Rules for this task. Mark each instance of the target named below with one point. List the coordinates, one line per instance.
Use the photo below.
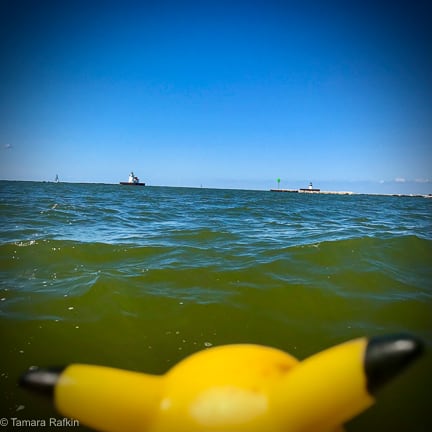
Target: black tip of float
(387, 356)
(41, 380)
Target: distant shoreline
(320, 192)
(303, 191)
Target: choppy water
(140, 277)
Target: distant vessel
(132, 181)
(310, 188)
(56, 180)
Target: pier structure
(311, 190)
(316, 191)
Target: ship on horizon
(132, 181)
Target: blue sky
(220, 94)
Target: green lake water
(140, 277)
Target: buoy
(229, 388)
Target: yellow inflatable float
(248, 388)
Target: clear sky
(218, 93)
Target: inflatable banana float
(230, 388)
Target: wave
(369, 268)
